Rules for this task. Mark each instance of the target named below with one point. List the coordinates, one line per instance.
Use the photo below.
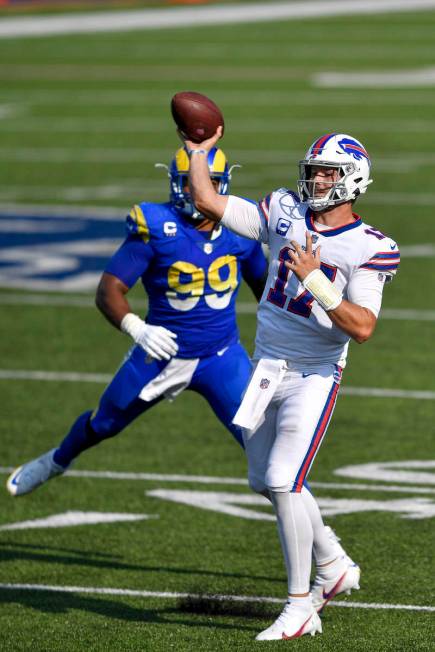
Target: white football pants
(280, 452)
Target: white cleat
(322, 591)
(29, 476)
(291, 623)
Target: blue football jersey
(191, 277)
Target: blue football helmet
(178, 173)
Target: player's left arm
(357, 321)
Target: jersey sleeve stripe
(386, 255)
(380, 266)
(138, 216)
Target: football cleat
(29, 476)
(321, 588)
(291, 623)
(322, 591)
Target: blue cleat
(29, 476)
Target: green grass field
(82, 121)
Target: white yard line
(111, 21)
(271, 161)
(77, 124)
(194, 596)
(211, 480)
(243, 308)
(13, 194)
(386, 79)
(78, 377)
(127, 97)
(63, 211)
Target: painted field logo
(57, 251)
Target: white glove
(157, 341)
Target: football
(195, 115)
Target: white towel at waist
(175, 377)
(261, 388)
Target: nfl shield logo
(264, 383)
(314, 238)
(208, 248)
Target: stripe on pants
(319, 433)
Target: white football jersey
(357, 258)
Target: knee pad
(277, 479)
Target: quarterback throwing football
(326, 276)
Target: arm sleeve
(254, 265)
(365, 289)
(243, 217)
(131, 260)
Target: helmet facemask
(338, 192)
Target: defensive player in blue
(191, 272)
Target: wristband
(325, 293)
(132, 325)
(197, 151)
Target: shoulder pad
(287, 191)
(251, 201)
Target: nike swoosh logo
(334, 590)
(298, 633)
(327, 596)
(306, 375)
(393, 247)
(17, 476)
(222, 351)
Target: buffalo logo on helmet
(354, 148)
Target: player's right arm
(111, 299)
(128, 264)
(237, 214)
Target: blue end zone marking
(56, 252)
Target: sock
(296, 536)
(323, 550)
(333, 570)
(302, 603)
(80, 437)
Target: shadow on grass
(197, 604)
(10, 552)
(62, 603)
